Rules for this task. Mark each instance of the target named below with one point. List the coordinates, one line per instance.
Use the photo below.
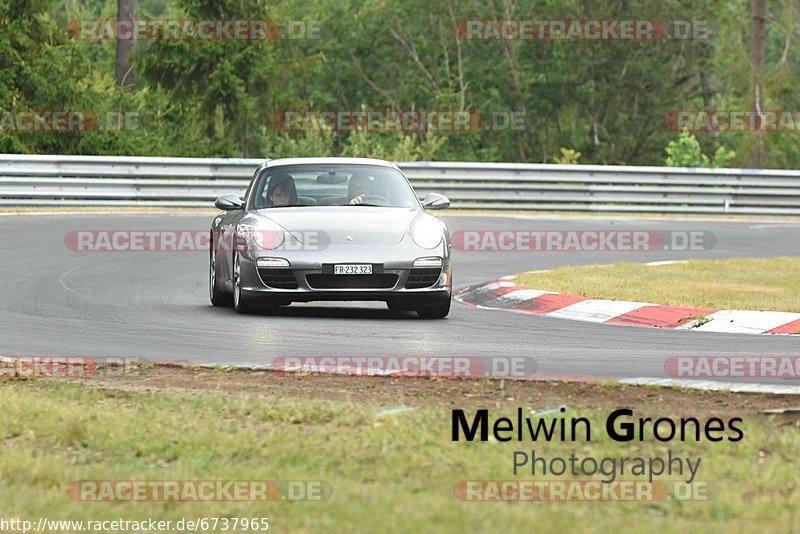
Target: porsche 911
(330, 229)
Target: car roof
(327, 161)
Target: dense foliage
(602, 102)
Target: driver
(282, 191)
(359, 187)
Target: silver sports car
(330, 229)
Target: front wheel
(217, 296)
(240, 302)
(438, 311)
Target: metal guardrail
(192, 182)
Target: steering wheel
(377, 199)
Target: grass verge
(738, 283)
(394, 473)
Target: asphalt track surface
(154, 305)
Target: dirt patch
(444, 393)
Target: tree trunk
(757, 74)
(707, 88)
(126, 77)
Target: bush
(686, 152)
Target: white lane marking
(743, 321)
(622, 218)
(666, 262)
(66, 287)
(596, 311)
(712, 385)
(776, 226)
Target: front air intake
(420, 278)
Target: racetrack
(154, 305)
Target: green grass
(394, 474)
(739, 283)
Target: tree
(757, 73)
(126, 76)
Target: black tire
(438, 311)
(241, 303)
(217, 295)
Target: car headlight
(250, 240)
(268, 239)
(427, 232)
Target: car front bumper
(306, 281)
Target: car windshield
(332, 185)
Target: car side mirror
(229, 202)
(435, 201)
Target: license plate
(353, 268)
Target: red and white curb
(505, 295)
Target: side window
(261, 199)
(250, 186)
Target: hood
(365, 225)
